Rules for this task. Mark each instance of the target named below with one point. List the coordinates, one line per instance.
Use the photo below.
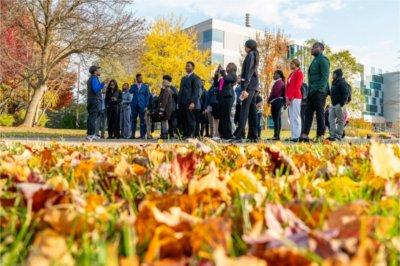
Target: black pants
(197, 114)
(276, 112)
(204, 125)
(315, 104)
(113, 120)
(225, 126)
(188, 121)
(93, 108)
(173, 124)
(303, 114)
(248, 111)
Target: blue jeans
(137, 111)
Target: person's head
(250, 45)
(294, 64)
(231, 68)
(317, 48)
(278, 74)
(139, 78)
(338, 73)
(189, 67)
(167, 79)
(112, 85)
(94, 70)
(125, 87)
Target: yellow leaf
(383, 160)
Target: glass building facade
(371, 84)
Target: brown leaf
(182, 168)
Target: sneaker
(89, 138)
(216, 138)
(294, 140)
(304, 139)
(237, 140)
(95, 137)
(332, 139)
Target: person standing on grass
(277, 101)
(250, 89)
(227, 97)
(94, 87)
(293, 99)
(318, 87)
(141, 95)
(189, 100)
(126, 112)
(173, 121)
(339, 95)
(165, 103)
(259, 105)
(238, 92)
(113, 100)
(102, 115)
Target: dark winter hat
(338, 72)
(92, 69)
(252, 44)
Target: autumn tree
(273, 47)
(168, 48)
(61, 29)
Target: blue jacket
(140, 97)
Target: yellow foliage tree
(167, 49)
(122, 72)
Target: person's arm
(249, 71)
(96, 85)
(147, 96)
(344, 92)
(231, 78)
(324, 68)
(195, 90)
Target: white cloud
(297, 13)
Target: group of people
(303, 100)
(232, 104)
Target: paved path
(120, 142)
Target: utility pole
(78, 94)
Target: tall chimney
(247, 20)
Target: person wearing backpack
(294, 99)
(339, 96)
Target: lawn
(40, 132)
(199, 204)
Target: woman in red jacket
(293, 98)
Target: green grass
(40, 132)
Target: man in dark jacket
(173, 121)
(189, 100)
(339, 95)
(140, 100)
(94, 87)
(318, 78)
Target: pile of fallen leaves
(200, 204)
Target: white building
(224, 39)
(391, 98)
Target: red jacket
(293, 87)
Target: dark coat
(339, 92)
(229, 81)
(250, 73)
(113, 103)
(189, 91)
(165, 104)
(318, 75)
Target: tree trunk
(34, 104)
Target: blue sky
(370, 29)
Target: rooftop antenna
(247, 20)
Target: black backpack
(349, 91)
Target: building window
(217, 59)
(372, 108)
(213, 35)
(374, 101)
